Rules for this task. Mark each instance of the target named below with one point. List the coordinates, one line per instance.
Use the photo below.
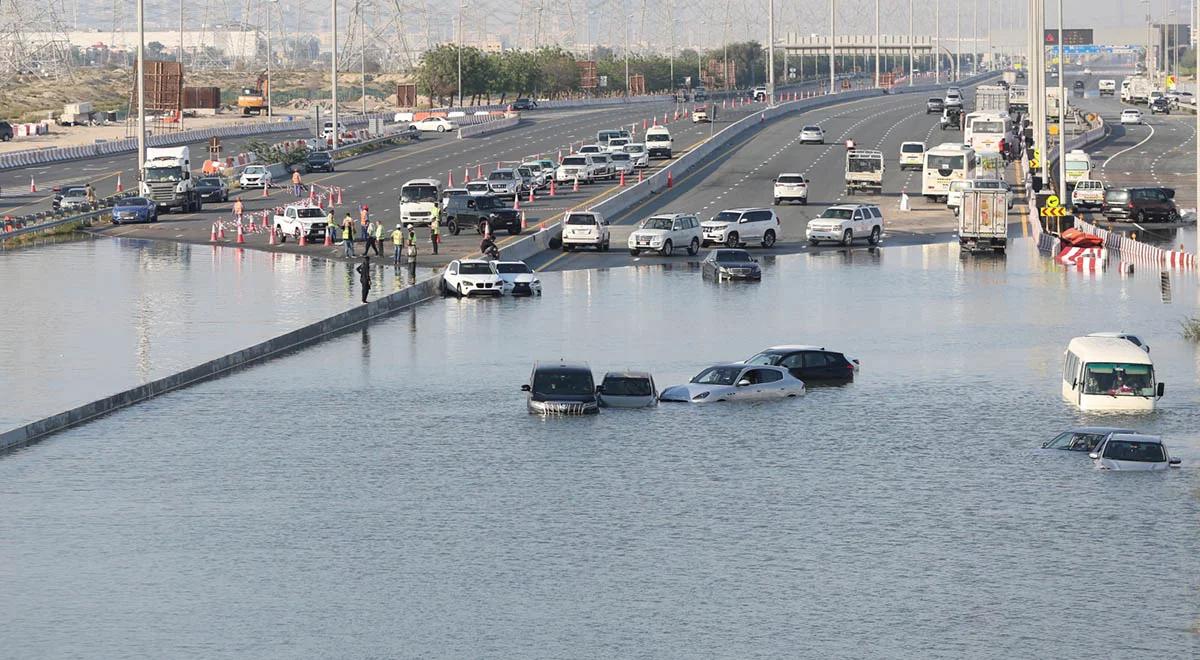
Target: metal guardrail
(43, 226)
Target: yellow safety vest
(345, 233)
(397, 237)
(379, 231)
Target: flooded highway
(385, 494)
(89, 318)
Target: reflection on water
(89, 318)
(382, 493)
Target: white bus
(1109, 373)
(984, 130)
(1078, 165)
(945, 163)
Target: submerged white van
(1109, 374)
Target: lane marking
(1130, 148)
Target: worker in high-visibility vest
(348, 234)
(435, 231)
(397, 245)
(379, 238)
(238, 209)
(297, 187)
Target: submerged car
(1133, 452)
(736, 382)
(517, 278)
(1083, 438)
(627, 389)
(808, 363)
(134, 209)
(561, 388)
(730, 264)
(467, 277)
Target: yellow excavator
(253, 100)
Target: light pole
(671, 9)
(771, 51)
(461, 5)
(832, 46)
(141, 88)
(628, 19)
(270, 56)
(1062, 112)
(975, 38)
(362, 56)
(937, 38)
(333, 65)
(958, 41)
(1195, 20)
(876, 44)
(912, 66)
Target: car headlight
(700, 396)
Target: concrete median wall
(479, 130)
(224, 365)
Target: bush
(1191, 328)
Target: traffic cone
(552, 187)
(32, 185)
(266, 225)
(328, 237)
(449, 179)
(240, 238)
(220, 230)
(479, 171)
(531, 199)
(120, 186)
(576, 187)
(212, 235)
(643, 124)
(271, 240)
(303, 238)
(523, 225)
(466, 175)
(670, 178)
(622, 178)
(516, 202)
(266, 190)
(339, 192)
(312, 191)
(639, 176)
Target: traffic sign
(1069, 37)
(1052, 209)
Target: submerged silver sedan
(736, 382)
(1133, 452)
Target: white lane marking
(1130, 148)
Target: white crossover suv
(585, 229)
(846, 222)
(666, 232)
(792, 187)
(467, 277)
(738, 227)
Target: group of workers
(371, 234)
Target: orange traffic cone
(220, 230)
(271, 240)
(523, 225)
(552, 188)
(466, 175)
(303, 237)
(479, 171)
(339, 195)
(120, 186)
(531, 195)
(516, 202)
(449, 179)
(266, 225)
(575, 188)
(266, 190)
(328, 237)
(670, 178)
(212, 235)
(240, 238)
(32, 185)
(639, 176)
(622, 178)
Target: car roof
(628, 374)
(453, 190)
(671, 215)
(422, 182)
(795, 347)
(561, 365)
(1098, 429)
(744, 210)
(790, 174)
(1138, 437)
(743, 365)
(501, 169)
(1108, 349)
(853, 207)
(510, 261)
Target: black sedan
(212, 189)
(730, 264)
(524, 104)
(319, 161)
(134, 209)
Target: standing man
(331, 225)
(397, 245)
(348, 234)
(435, 233)
(370, 239)
(412, 244)
(296, 185)
(378, 242)
(238, 209)
(364, 277)
(91, 194)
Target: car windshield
(1078, 166)
(474, 268)
(987, 126)
(733, 256)
(210, 181)
(865, 164)
(483, 202)
(589, 149)
(1118, 379)
(727, 216)
(255, 169)
(766, 358)
(533, 167)
(657, 223)
(634, 148)
(75, 192)
(581, 219)
(658, 137)
(476, 187)
(1131, 113)
(912, 148)
(934, 162)
(418, 194)
(318, 157)
(624, 386)
(811, 129)
(310, 212)
(513, 267)
(134, 201)
(574, 160)
(1139, 452)
(501, 175)
(718, 376)
(525, 171)
(838, 214)
(562, 383)
(169, 173)
(1076, 441)
(619, 157)
(618, 142)
(934, 101)
(790, 178)
(1116, 196)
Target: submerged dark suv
(469, 212)
(562, 388)
(809, 363)
(1140, 205)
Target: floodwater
(90, 318)
(385, 494)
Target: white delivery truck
(983, 220)
(1138, 91)
(864, 171)
(77, 114)
(991, 98)
(1054, 103)
(167, 179)
(1108, 87)
(1078, 166)
(658, 142)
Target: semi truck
(167, 179)
(983, 220)
(1018, 99)
(991, 98)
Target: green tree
(437, 73)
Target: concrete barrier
(224, 365)
(487, 128)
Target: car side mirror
(1175, 462)
(743, 382)
(1146, 347)
(525, 388)
(1162, 388)
(1075, 383)
(1093, 455)
(743, 221)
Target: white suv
(792, 187)
(737, 227)
(464, 277)
(663, 233)
(577, 166)
(846, 222)
(585, 228)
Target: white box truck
(991, 98)
(983, 220)
(167, 179)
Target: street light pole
(362, 56)
(460, 50)
(1062, 113)
(771, 51)
(270, 106)
(141, 89)
(912, 67)
(958, 42)
(333, 65)
(832, 46)
(975, 38)
(876, 44)
(627, 86)
(937, 39)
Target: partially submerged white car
(1133, 452)
(517, 278)
(736, 382)
(467, 277)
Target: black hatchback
(809, 363)
(1140, 205)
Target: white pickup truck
(864, 171)
(1088, 193)
(300, 219)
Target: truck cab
(167, 179)
(864, 171)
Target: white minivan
(585, 228)
(1111, 374)
(658, 142)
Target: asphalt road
(742, 177)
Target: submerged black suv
(469, 211)
(1140, 205)
(809, 363)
